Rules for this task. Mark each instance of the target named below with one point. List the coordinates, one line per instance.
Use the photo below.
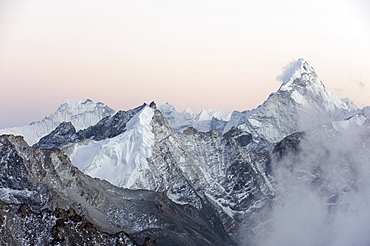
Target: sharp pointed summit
(301, 102)
(296, 71)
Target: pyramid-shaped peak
(297, 69)
(188, 111)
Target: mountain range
(81, 114)
(293, 171)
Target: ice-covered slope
(81, 114)
(120, 159)
(204, 121)
(301, 102)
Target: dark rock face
(107, 127)
(110, 126)
(289, 145)
(190, 130)
(64, 134)
(22, 226)
(45, 179)
(14, 177)
(73, 229)
(217, 170)
(242, 137)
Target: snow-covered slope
(121, 159)
(301, 102)
(81, 114)
(204, 121)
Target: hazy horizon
(224, 55)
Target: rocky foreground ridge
(43, 181)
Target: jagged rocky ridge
(45, 179)
(22, 226)
(246, 176)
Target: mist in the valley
(322, 190)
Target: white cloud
(323, 193)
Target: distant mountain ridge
(108, 127)
(81, 114)
(204, 121)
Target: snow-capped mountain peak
(204, 121)
(75, 107)
(81, 114)
(208, 114)
(188, 111)
(297, 71)
(301, 102)
(167, 108)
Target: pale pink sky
(197, 54)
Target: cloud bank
(323, 190)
